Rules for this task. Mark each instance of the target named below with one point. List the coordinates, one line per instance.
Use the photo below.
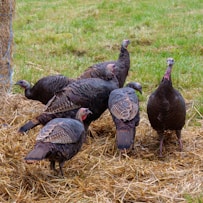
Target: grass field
(57, 37)
(66, 37)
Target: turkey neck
(124, 65)
(123, 53)
(124, 58)
(167, 75)
(115, 80)
(28, 92)
(166, 86)
(79, 117)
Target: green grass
(194, 200)
(68, 36)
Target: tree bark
(6, 40)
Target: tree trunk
(6, 41)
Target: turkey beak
(89, 112)
(138, 87)
(19, 83)
(128, 42)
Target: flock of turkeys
(72, 104)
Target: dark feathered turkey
(166, 107)
(122, 64)
(44, 89)
(92, 93)
(59, 140)
(124, 107)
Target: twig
(198, 112)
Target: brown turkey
(59, 140)
(92, 93)
(123, 105)
(104, 73)
(166, 108)
(44, 89)
(122, 64)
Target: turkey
(59, 140)
(92, 93)
(44, 89)
(123, 64)
(166, 108)
(99, 72)
(123, 105)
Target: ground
(98, 173)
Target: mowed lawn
(66, 37)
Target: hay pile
(98, 173)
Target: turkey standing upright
(122, 64)
(59, 140)
(92, 93)
(166, 107)
(124, 107)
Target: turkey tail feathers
(38, 153)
